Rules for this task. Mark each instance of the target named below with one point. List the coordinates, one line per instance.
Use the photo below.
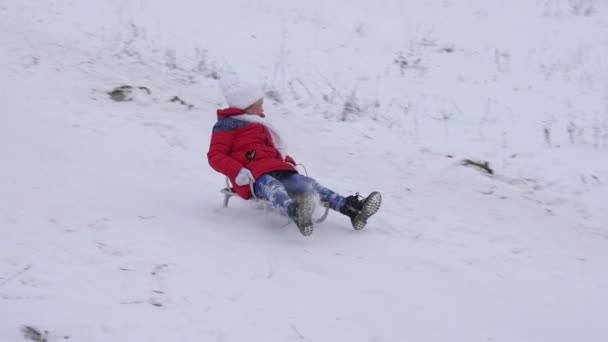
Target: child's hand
(243, 177)
(289, 160)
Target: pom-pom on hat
(239, 94)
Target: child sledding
(248, 150)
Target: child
(246, 148)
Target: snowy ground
(111, 225)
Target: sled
(229, 192)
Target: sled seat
(229, 192)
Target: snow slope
(111, 221)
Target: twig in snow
(124, 92)
(182, 102)
(25, 269)
(298, 333)
(158, 268)
(154, 302)
(485, 166)
(34, 334)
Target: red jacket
(237, 143)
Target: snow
(111, 220)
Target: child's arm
(219, 154)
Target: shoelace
(361, 200)
(358, 203)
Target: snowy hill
(111, 221)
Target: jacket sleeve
(219, 154)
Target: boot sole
(306, 208)
(371, 206)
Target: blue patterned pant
(278, 186)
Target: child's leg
(298, 184)
(268, 187)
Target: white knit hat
(239, 94)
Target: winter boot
(300, 211)
(360, 209)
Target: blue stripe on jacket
(229, 124)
